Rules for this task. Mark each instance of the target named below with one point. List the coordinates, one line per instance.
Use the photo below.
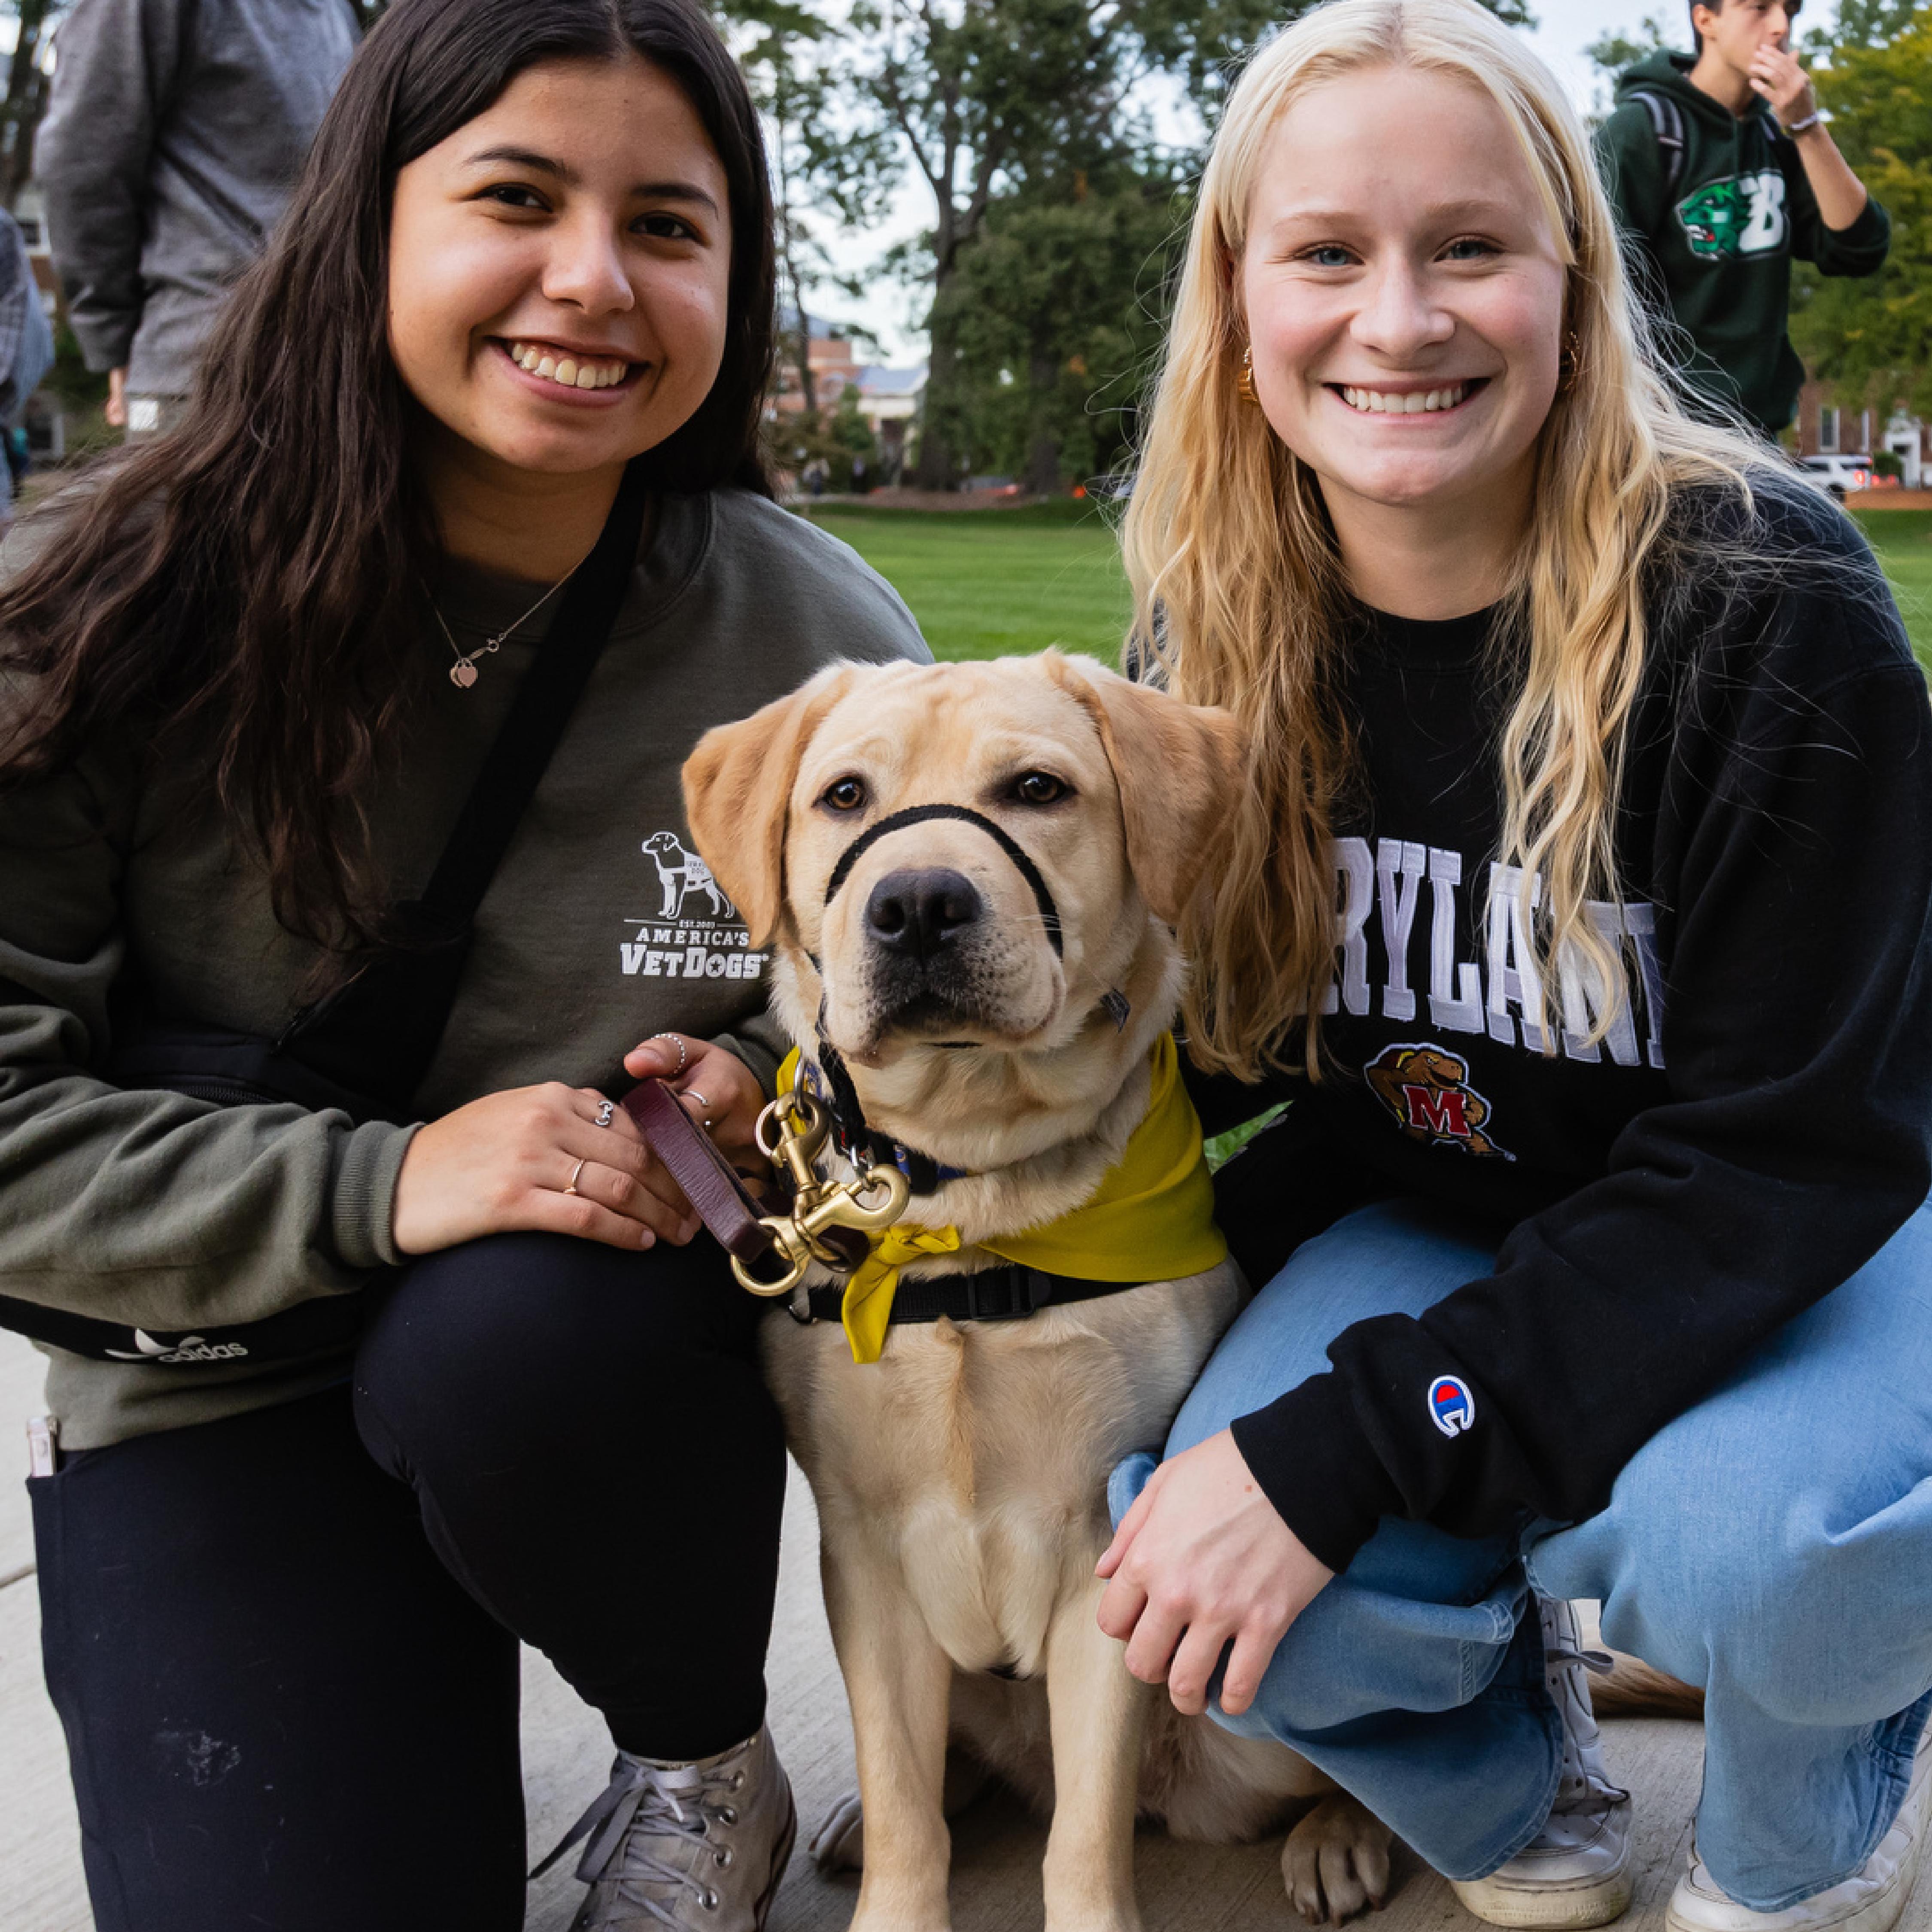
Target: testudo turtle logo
(1427, 1089)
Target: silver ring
(605, 1109)
(692, 1093)
(683, 1058)
(572, 1188)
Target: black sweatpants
(288, 1679)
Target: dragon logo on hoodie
(1743, 214)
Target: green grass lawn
(985, 583)
(1903, 539)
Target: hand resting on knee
(1203, 1558)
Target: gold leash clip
(789, 1132)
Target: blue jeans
(1773, 1544)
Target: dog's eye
(1038, 788)
(847, 795)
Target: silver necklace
(462, 672)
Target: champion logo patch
(1451, 1407)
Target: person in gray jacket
(175, 131)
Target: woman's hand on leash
(1203, 1559)
(552, 1159)
(718, 1090)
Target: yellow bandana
(1151, 1218)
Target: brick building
(1826, 427)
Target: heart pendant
(463, 674)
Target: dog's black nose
(918, 912)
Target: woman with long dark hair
(332, 919)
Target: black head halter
(856, 1140)
(918, 814)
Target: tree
(853, 447)
(1056, 308)
(1612, 52)
(1873, 337)
(822, 164)
(987, 91)
(1015, 98)
(1054, 207)
(998, 98)
(840, 438)
(1864, 23)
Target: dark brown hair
(250, 587)
(1717, 7)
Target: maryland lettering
(1408, 889)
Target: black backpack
(1666, 122)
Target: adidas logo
(189, 1348)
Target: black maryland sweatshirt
(1757, 1121)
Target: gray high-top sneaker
(1576, 1871)
(697, 1848)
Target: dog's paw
(839, 1845)
(1336, 1863)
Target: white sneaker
(1870, 1900)
(1576, 1872)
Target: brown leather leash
(771, 1243)
(741, 1221)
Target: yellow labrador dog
(968, 875)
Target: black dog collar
(862, 1145)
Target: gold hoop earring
(1244, 383)
(1569, 363)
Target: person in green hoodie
(1722, 170)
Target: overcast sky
(1564, 28)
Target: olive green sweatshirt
(602, 927)
(1717, 245)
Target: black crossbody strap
(548, 695)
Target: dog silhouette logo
(1427, 1089)
(1451, 1407)
(681, 873)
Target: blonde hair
(1240, 597)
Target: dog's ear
(737, 788)
(1179, 768)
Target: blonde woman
(1580, 905)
